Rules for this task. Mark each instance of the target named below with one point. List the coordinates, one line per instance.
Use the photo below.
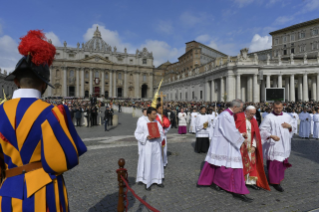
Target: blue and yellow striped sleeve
(60, 144)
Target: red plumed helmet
(35, 44)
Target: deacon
(140, 119)
(223, 169)
(166, 125)
(295, 117)
(182, 122)
(202, 126)
(38, 140)
(193, 118)
(304, 128)
(251, 149)
(316, 125)
(150, 168)
(276, 132)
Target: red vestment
(255, 166)
(165, 124)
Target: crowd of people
(236, 137)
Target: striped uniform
(32, 130)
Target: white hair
(250, 107)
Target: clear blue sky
(161, 26)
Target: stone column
(268, 81)
(230, 87)
(212, 90)
(137, 85)
(305, 87)
(64, 87)
(256, 89)
(110, 83)
(317, 85)
(243, 88)
(292, 88)
(262, 92)
(114, 83)
(249, 88)
(77, 82)
(279, 81)
(222, 88)
(207, 91)
(238, 87)
(103, 83)
(51, 82)
(287, 88)
(300, 88)
(313, 88)
(125, 84)
(82, 83)
(150, 76)
(91, 82)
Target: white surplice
(192, 125)
(199, 124)
(224, 149)
(182, 119)
(295, 117)
(311, 124)
(150, 161)
(142, 118)
(316, 125)
(211, 118)
(271, 125)
(304, 128)
(165, 131)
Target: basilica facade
(96, 69)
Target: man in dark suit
(78, 116)
(107, 116)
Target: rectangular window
(312, 46)
(304, 48)
(107, 58)
(144, 61)
(285, 52)
(131, 60)
(97, 74)
(293, 50)
(301, 35)
(119, 59)
(106, 76)
(315, 32)
(71, 55)
(86, 56)
(144, 78)
(284, 39)
(276, 41)
(292, 37)
(120, 76)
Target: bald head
(250, 112)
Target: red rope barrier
(137, 197)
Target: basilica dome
(97, 43)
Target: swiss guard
(38, 140)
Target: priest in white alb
(316, 125)
(150, 168)
(194, 114)
(276, 132)
(223, 169)
(295, 117)
(304, 128)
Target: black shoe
(160, 185)
(242, 197)
(216, 187)
(254, 187)
(147, 189)
(278, 187)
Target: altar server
(202, 126)
(276, 132)
(182, 122)
(223, 169)
(304, 128)
(150, 168)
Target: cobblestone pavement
(92, 186)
